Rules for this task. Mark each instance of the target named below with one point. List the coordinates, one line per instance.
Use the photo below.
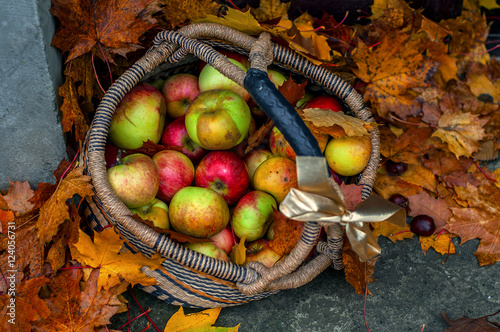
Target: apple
(348, 156)
(176, 135)
(270, 232)
(198, 212)
(225, 239)
(254, 158)
(301, 102)
(231, 55)
(211, 79)
(155, 211)
(208, 249)
(218, 119)
(225, 173)
(326, 102)
(179, 91)
(280, 146)
(253, 214)
(139, 117)
(113, 155)
(276, 77)
(175, 171)
(260, 251)
(276, 176)
(135, 181)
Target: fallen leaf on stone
(198, 321)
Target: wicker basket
(191, 279)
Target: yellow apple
(348, 156)
(276, 176)
(155, 211)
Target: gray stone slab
(411, 290)
(31, 141)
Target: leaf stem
(365, 295)
(107, 63)
(95, 73)
(130, 321)
(481, 170)
(346, 13)
(140, 307)
(411, 123)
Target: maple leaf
(441, 243)
(466, 324)
(239, 252)
(72, 115)
(287, 233)
(259, 135)
(18, 196)
(386, 185)
(461, 131)
(482, 86)
(437, 208)
(78, 308)
(480, 219)
(179, 12)
(324, 119)
(357, 273)
(104, 253)
(420, 175)
(198, 321)
(102, 27)
(55, 210)
(270, 9)
(28, 306)
(352, 195)
(292, 91)
(391, 231)
(408, 148)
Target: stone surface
(31, 140)
(411, 290)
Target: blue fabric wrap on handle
(279, 110)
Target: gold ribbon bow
(316, 200)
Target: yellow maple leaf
(55, 210)
(441, 243)
(391, 231)
(198, 321)
(270, 9)
(326, 118)
(461, 131)
(481, 85)
(238, 252)
(420, 175)
(237, 19)
(104, 253)
(477, 4)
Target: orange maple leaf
(196, 321)
(103, 27)
(480, 219)
(18, 197)
(287, 233)
(435, 207)
(357, 273)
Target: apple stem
(140, 307)
(481, 170)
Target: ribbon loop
(317, 201)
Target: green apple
(198, 212)
(135, 181)
(348, 156)
(211, 79)
(218, 119)
(253, 214)
(276, 176)
(139, 117)
(155, 211)
(276, 77)
(208, 249)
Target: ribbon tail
(362, 241)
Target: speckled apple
(276, 176)
(348, 156)
(253, 214)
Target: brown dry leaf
(72, 115)
(287, 233)
(102, 27)
(150, 148)
(5, 218)
(28, 307)
(78, 305)
(357, 273)
(462, 132)
(198, 321)
(292, 91)
(391, 231)
(480, 85)
(178, 237)
(420, 175)
(352, 195)
(441, 243)
(270, 9)
(452, 170)
(18, 196)
(323, 119)
(408, 147)
(466, 324)
(259, 135)
(437, 208)
(179, 12)
(481, 219)
(386, 185)
(55, 210)
(239, 252)
(104, 253)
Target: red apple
(301, 102)
(225, 239)
(139, 117)
(198, 212)
(175, 171)
(155, 211)
(211, 79)
(135, 181)
(225, 173)
(260, 251)
(253, 214)
(276, 176)
(280, 146)
(218, 119)
(254, 158)
(326, 102)
(113, 155)
(348, 156)
(179, 91)
(176, 135)
(208, 249)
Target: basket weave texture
(191, 279)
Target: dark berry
(336, 177)
(422, 225)
(400, 200)
(394, 169)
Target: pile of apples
(203, 185)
